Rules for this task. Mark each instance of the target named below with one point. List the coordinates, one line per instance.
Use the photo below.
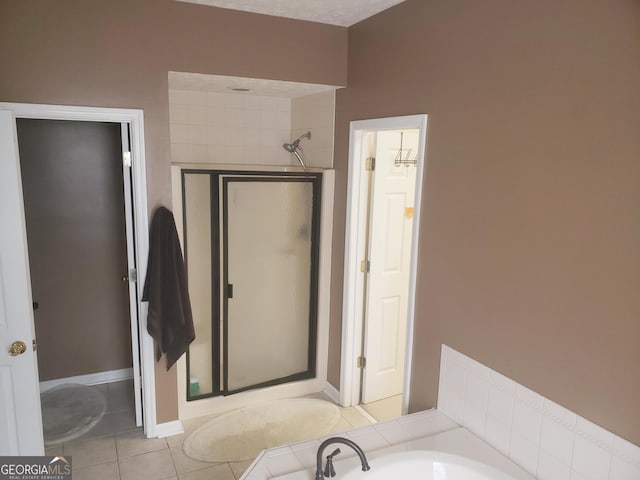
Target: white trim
(331, 392)
(168, 429)
(19, 400)
(90, 378)
(135, 119)
(352, 291)
(131, 265)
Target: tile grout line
(173, 462)
(365, 414)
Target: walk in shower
(251, 247)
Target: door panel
(388, 346)
(72, 178)
(268, 243)
(388, 280)
(198, 257)
(127, 177)
(20, 418)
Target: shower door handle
(229, 290)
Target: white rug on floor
(242, 434)
(69, 411)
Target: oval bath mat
(242, 434)
(69, 411)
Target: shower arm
(295, 152)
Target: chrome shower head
(291, 147)
(294, 146)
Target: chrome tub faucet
(329, 470)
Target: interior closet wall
(74, 211)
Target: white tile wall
(234, 128)
(315, 114)
(546, 439)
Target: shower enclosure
(251, 243)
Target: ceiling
(343, 13)
(256, 86)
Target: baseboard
(90, 379)
(331, 392)
(169, 428)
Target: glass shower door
(251, 243)
(269, 320)
(199, 254)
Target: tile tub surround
(459, 442)
(547, 440)
(301, 457)
(416, 432)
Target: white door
(20, 415)
(131, 264)
(392, 202)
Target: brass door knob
(17, 348)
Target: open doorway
(385, 171)
(25, 386)
(82, 266)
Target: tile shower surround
(210, 127)
(231, 128)
(547, 440)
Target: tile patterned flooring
(385, 409)
(116, 450)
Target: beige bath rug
(242, 434)
(69, 411)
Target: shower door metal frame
(219, 180)
(215, 285)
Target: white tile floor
(385, 409)
(116, 450)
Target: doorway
(385, 170)
(30, 440)
(77, 221)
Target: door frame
(135, 119)
(353, 290)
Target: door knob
(17, 348)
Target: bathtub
(456, 454)
(426, 465)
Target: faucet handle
(333, 454)
(329, 471)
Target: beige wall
(117, 53)
(530, 241)
(529, 250)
